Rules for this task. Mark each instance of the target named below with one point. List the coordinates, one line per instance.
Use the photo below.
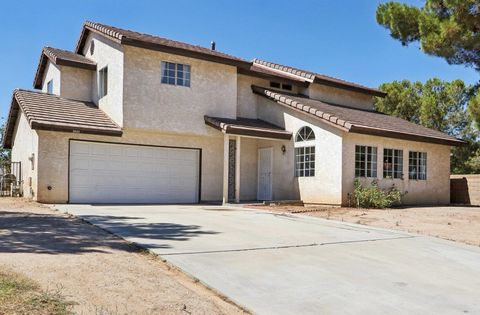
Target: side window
(365, 161)
(392, 163)
(305, 153)
(50, 87)
(103, 82)
(175, 74)
(417, 165)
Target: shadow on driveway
(22, 232)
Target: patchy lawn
(461, 224)
(98, 272)
(19, 295)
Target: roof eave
(75, 129)
(405, 136)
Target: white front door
(265, 163)
(119, 173)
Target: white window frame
(369, 163)
(103, 82)
(305, 154)
(416, 169)
(396, 170)
(182, 74)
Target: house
(134, 118)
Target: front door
(265, 162)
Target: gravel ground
(100, 272)
(461, 224)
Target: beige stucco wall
(25, 143)
(434, 190)
(76, 83)
(52, 72)
(151, 105)
(108, 53)
(326, 186)
(339, 96)
(53, 160)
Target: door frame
(199, 197)
(270, 149)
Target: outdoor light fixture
(284, 149)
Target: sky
(339, 38)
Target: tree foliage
(4, 153)
(439, 105)
(444, 28)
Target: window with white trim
(417, 165)
(50, 87)
(175, 74)
(392, 163)
(365, 161)
(103, 82)
(305, 153)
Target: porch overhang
(248, 127)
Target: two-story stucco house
(134, 118)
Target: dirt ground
(101, 273)
(461, 224)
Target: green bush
(373, 197)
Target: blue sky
(339, 38)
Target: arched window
(305, 152)
(305, 134)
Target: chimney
(212, 45)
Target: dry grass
(20, 295)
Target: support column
(225, 168)
(237, 170)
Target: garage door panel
(116, 173)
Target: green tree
(4, 153)
(445, 28)
(438, 105)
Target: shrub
(373, 197)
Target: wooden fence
(465, 189)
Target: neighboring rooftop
(359, 121)
(248, 127)
(51, 112)
(60, 57)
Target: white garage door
(115, 173)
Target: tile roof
(132, 38)
(359, 121)
(269, 74)
(51, 112)
(247, 127)
(60, 57)
(316, 77)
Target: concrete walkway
(292, 264)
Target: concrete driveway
(291, 264)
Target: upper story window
(392, 163)
(50, 87)
(283, 86)
(175, 74)
(365, 161)
(305, 152)
(417, 165)
(103, 82)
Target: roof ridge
(311, 74)
(51, 95)
(117, 31)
